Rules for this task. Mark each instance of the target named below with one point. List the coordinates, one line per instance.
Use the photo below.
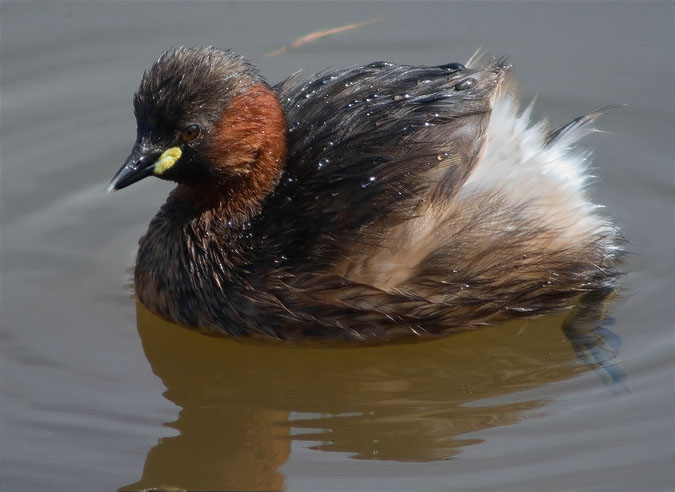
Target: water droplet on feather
(368, 182)
(323, 162)
(465, 84)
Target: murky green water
(99, 394)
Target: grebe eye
(189, 133)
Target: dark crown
(186, 84)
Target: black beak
(140, 164)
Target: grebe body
(363, 204)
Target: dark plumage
(191, 85)
(358, 204)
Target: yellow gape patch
(167, 160)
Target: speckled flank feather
(413, 201)
(372, 142)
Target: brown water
(99, 394)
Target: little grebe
(366, 204)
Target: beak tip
(139, 165)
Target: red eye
(189, 133)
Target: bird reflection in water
(243, 405)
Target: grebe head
(205, 119)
